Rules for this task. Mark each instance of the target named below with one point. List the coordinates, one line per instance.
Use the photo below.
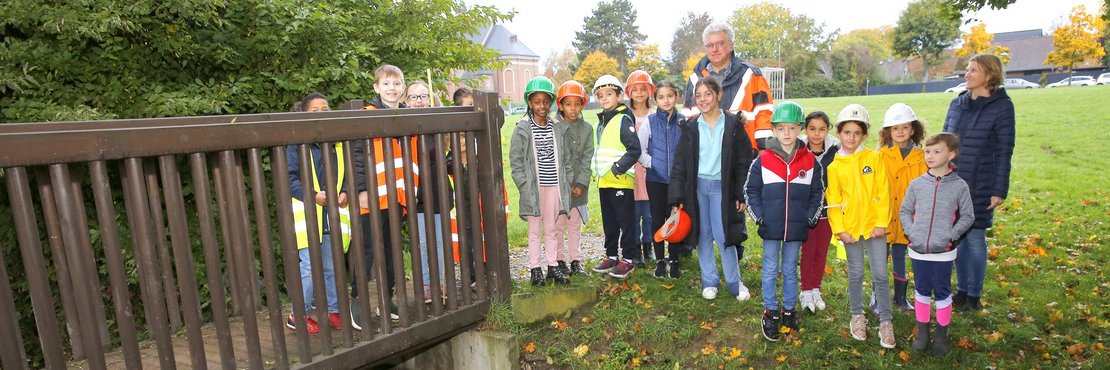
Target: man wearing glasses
(744, 91)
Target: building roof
(1018, 35)
(1028, 54)
(501, 39)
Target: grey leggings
(876, 255)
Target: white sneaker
(817, 301)
(709, 293)
(743, 295)
(807, 300)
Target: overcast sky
(550, 25)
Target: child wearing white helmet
(858, 195)
(616, 153)
(900, 145)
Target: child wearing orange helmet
(639, 88)
(579, 146)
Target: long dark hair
(712, 84)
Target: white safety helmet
(853, 112)
(898, 114)
(608, 81)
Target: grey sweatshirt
(937, 211)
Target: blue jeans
(971, 262)
(643, 216)
(329, 275)
(789, 252)
(712, 228)
(424, 247)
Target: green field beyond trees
(1045, 293)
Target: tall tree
(687, 40)
(1077, 41)
(560, 64)
(647, 58)
(924, 32)
(96, 60)
(978, 41)
(954, 9)
(770, 35)
(595, 65)
(611, 29)
(855, 56)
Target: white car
(1073, 81)
(1017, 83)
(957, 89)
(1103, 79)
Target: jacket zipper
(932, 216)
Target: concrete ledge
(470, 350)
(529, 308)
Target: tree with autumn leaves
(978, 41)
(597, 64)
(1078, 40)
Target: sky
(545, 26)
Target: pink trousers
(573, 230)
(548, 224)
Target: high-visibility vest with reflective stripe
(608, 151)
(753, 101)
(399, 167)
(455, 224)
(299, 215)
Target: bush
(820, 87)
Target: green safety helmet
(540, 84)
(788, 112)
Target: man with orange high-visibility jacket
(744, 90)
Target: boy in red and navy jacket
(784, 194)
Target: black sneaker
(394, 313)
(576, 268)
(790, 319)
(537, 276)
(771, 325)
(605, 265)
(555, 273)
(661, 269)
(639, 262)
(622, 270)
(563, 266)
(675, 273)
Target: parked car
(1074, 81)
(1103, 79)
(515, 110)
(1017, 83)
(958, 88)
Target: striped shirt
(543, 139)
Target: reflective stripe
(741, 93)
(763, 134)
(300, 224)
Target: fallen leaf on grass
(734, 353)
(781, 357)
(1054, 316)
(667, 287)
(530, 347)
(904, 356)
(635, 287)
(709, 349)
(1076, 351)
(588, 320)
(993, 337)
(581, 350)
(635, 363)
(965, 344)
(828, 270)
(708, 325)
(996, 356)
(559, 324)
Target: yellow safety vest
(299, 212)
(609, 150)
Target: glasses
(419, 97)
(716, 45)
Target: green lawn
(1045, 304)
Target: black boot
(576, 268)
(959, 300)
(972, 305)
(563, 266)
(900, 296)
(556, 274)
(661, 269)
(537, 276)
(647, 251)
(921, 341)
(790, 319)
(940, 342)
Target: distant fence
(939, 86)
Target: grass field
(1045, 295)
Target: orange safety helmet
(639, 77)
(675, 229)
(570, 88)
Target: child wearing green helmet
(784, 193)
(535, 152)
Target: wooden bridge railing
(164, 243)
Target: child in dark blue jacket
(661, 134)
(784, 193)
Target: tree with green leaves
(954, 9)
(146, 58)
(611, 29)
(648, 59)
(770, 35)
(687, 40)
(855, 56)
(924, 32)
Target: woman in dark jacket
(983, 118)
(707, 181)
